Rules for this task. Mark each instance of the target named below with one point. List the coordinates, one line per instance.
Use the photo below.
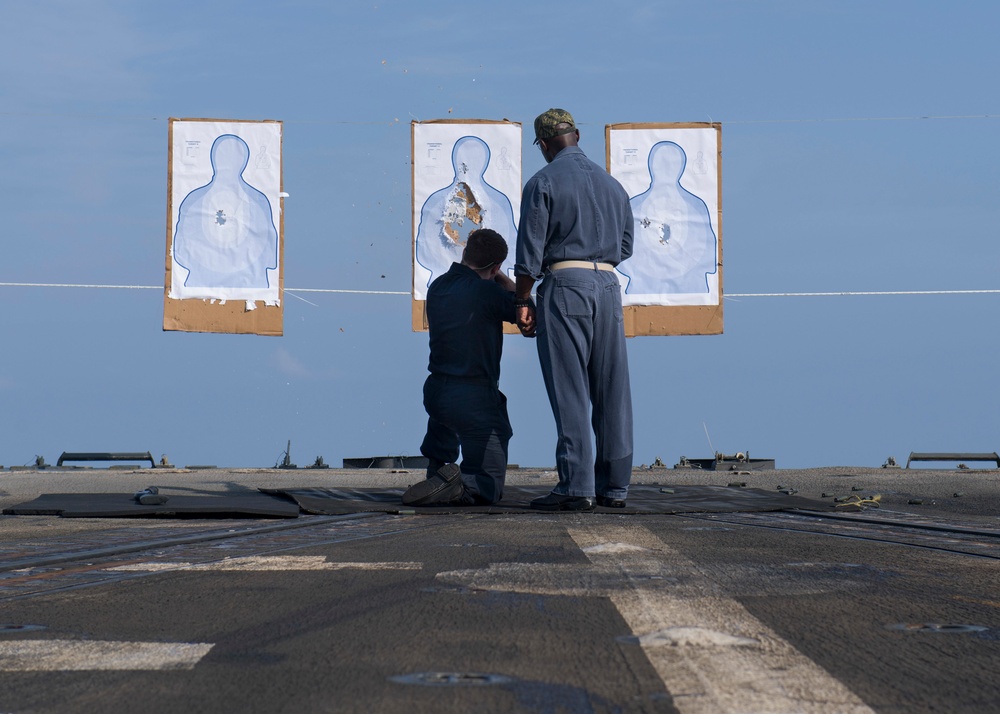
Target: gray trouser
(581, 349)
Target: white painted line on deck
(79, 655)
(712, 654)
(264, 563)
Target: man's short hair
(484, 249)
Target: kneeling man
(466, 309)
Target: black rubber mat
(121, 505)
(641, 500)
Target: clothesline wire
(848, 119)
(397, 121)
(841, 293)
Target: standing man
(576, 226)
(466, 309)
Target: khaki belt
(586, 264)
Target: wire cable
(160, 287)
(396, 121)
(845, 293)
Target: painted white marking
(613, 548)
(713, 655)
(265, 562)
(149, 567)
(693, 636)
(78, 655)
(402, 565)
(742, 666)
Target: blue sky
(833, 181)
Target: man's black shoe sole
(566, 503)
(444, 487)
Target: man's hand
(526, 320)
(525, 313)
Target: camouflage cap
(547, 124)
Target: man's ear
(494, 270)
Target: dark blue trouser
(469, 414)
(581, 349)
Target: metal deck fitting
(952, 456)
(106, 456)
(387, 462)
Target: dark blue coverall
(572, 209)
(464, 404)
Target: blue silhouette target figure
(225, 235)
(450, 214)
(676, 248)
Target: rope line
(846, 119)
(406, 292)
(160, 287)
(80, 285)
(124, 117)
(396, 121)
(865, 292)
(357, 292)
